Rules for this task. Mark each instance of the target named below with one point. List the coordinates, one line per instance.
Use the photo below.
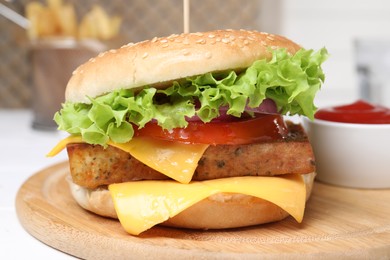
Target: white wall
(335, 24)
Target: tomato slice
(261, 128)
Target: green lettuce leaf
(290, 80)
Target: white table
(22, 154)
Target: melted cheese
(176, 160)
(144, 204)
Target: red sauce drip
(359, 112)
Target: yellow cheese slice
(143, 204)
(176, 160)
(72, 139)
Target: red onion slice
(268, 106)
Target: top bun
(160, 60)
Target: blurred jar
(373, 69)
(53, 61)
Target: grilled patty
(92, 166)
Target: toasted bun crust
(219, 211)
(160, 60)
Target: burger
(190, 131)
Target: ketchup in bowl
(359, 112)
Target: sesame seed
(154, 39)
(250, 38)
(208, 55)
(270, 38)
(165, 45)
(186, 52)
(201, 41)
(138, 43)
(112, 51)
(225, 40)
(101, 54)
(145, 55)
(130, 44)
(211, 36)
(74, 72)
(198, 34)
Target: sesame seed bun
(160, 60)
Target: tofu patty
(92, 166)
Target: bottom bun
(227, 211)
(222, 210)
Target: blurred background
(337, 25)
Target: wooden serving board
(338, 223)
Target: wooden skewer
(186, 15)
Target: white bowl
(351, 155)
